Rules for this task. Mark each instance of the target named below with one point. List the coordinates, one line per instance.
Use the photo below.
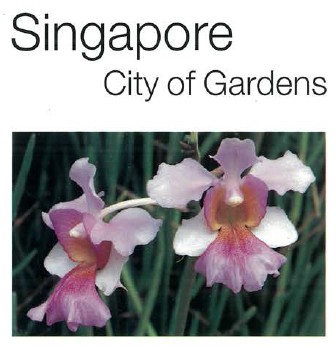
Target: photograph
(168, 233)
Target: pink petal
(237, 258)
(83, 172)
(284, 174)
(78, 204)
(275, 229)
(176, 185)
(129, 228)
(75, 301)
(108, 278)
(58, 262)
(37, 314)
(193, 236)
(235, 155)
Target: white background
(61, 91)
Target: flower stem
(184, 294)
(126, 204)
(194, 141)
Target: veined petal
(176, 185)
(284, 174)
(275, 229)
(108, 278)
(82, 172)
(74, 300)
(235, 155)
(58, 262)
(237, 258)
(129, 228)
(193, 236)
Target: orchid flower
(90, 251)
(235, 231)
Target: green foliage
(159, 283)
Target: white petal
(284, 174)
(108, 278)
(193, 236)
(176, 185)
(276, 229)
(129, 228)
(58, 262)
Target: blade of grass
(113, 144)
(147, 164)
(313, 323)
(258, 139)
(298, 197)
(199, 282)
(172, 218)
(242, 322)
(244, 330)
(108, 326)
(129, 174)
(14, 315)
(195, 321)
(148, 156)
(75, 143)
(135, 297)
(84, 331)
(181, 307)
(23, 174)
(154, 288)
(220, 307)
(305, 269)
(208, 143)
(24, 263)
(279, 299)
(174, 151)
(212, 302)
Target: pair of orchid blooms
(233, 234)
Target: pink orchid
(89, 252)
(235, 231)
